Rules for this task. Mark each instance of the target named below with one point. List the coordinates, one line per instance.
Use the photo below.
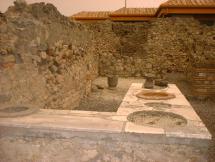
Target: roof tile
(134, 12)
(92, 15)
(189, 3)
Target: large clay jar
(112, 81)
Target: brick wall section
(203, 81)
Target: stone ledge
(99, 125)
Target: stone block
(7, 59)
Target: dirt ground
(104, 99)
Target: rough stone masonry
(50, 61)
(45, 59)
(160, 46)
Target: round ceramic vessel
(158, 119)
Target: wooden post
(125, 3)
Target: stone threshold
(70, 124)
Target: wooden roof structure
(186, 7)
(133, 14)
(91, 16)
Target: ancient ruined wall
(178, 42)
(155, 47)
(200, 71)
(120, 47)
(106, 45)
(45, 59)
(50, 61)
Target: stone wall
(50, 61)
(157, 47)
(45, 59)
